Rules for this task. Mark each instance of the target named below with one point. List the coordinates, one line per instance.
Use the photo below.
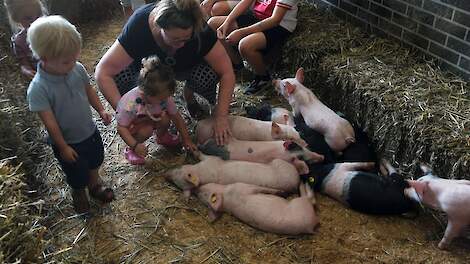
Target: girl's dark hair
(156, 78)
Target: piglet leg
(305, 190)
(454, 229)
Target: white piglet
(449, 196)
(261, 207)
(338, 131)
(277, 174)
(244, 128)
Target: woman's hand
(68, 154)
(221, 130)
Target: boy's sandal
(80, 201)
(104, 195)
(195, 110)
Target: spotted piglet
(449, 196)
(260, 151)
(244, 128)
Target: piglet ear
(299, 75)
(192, 179)
(425, 169)
(420, 187)
(215, 201)
(301, 166)
(286, 119)
(290, 88)
(275, 130)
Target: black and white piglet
(352, 184)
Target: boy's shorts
(273, 35)
(90, 156)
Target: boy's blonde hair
(156, 78)
(53, 37)
(15, 9)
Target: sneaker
(168, 140)
(258, 84)
(133, 158)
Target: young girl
(149, 108)
(256, 32)
(23, 13)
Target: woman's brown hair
(180, 14)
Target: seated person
(255, 33)
(218, 7)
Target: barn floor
(150, 222)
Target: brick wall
(439, 28)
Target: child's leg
(250, 48)
(223, 8)
(96, 189)
(142, 129)
(76, 177)
(215, 23)
(94, 151)
(80, 201)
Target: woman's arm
(113, 62)
(218, 59)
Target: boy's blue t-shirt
(65, 96)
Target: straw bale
(411, 109)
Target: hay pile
(21, 208)
(411, 109)
(21, 234)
